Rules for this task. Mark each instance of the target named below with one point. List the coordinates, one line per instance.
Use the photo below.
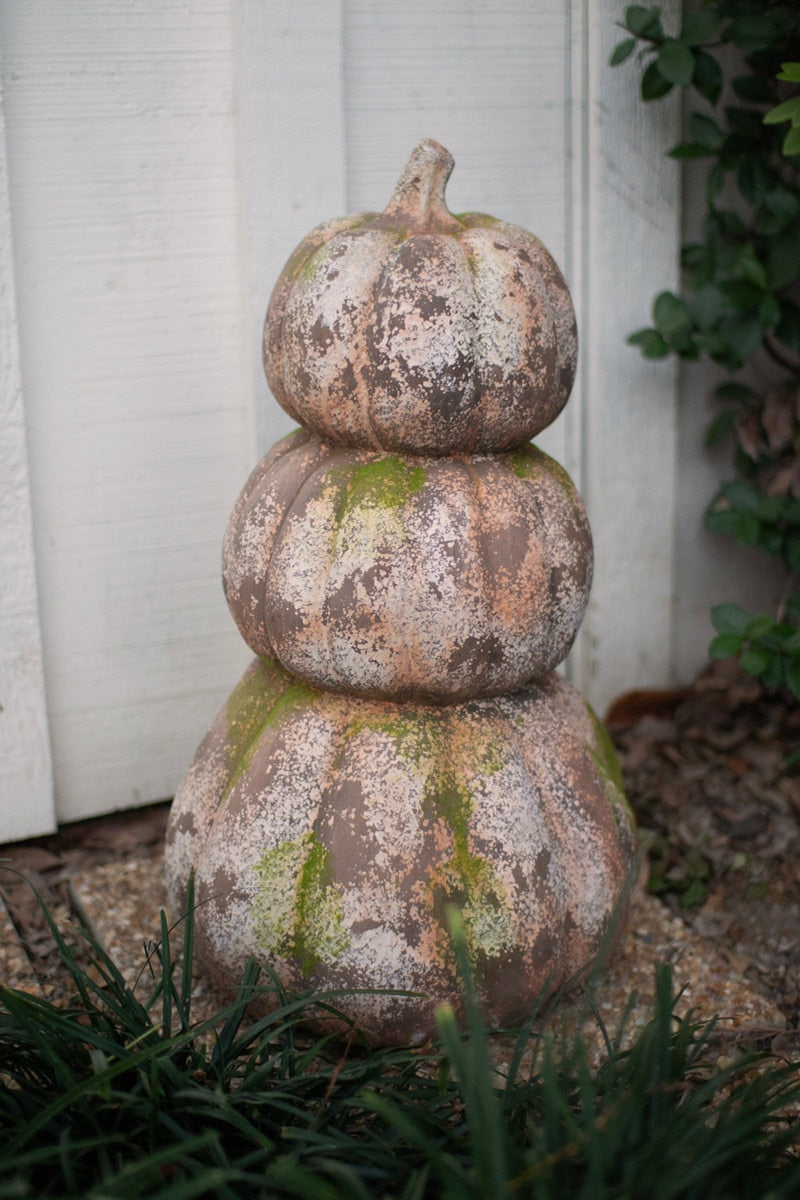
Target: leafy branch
(740, 281)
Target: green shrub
(739, 301)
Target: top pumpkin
(418, 331)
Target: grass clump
(111, 1097)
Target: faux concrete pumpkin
(433, 579)
(409, 570)
(329, 835)
(417, 331)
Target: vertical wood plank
(26, 783)
(124, 194)
(629, 241)
(293, 154)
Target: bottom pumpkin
(329, 835)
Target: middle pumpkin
(408, 578)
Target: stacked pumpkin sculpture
(409, 571)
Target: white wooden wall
(163, 159)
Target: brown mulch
(49, 864)
(711, 771)
(713, 774)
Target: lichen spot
(297, 911)
(473, 887)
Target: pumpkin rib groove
(471, 470)
(265, 574)
(478, 341)
(307, 483)
(368, 417)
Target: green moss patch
(470, 884)
(466, 880)
(263, 698)
(387, 482)
(297, 912)
(605, 759)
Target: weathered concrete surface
(418, 331)
(329, 835)
(434, 579)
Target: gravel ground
(713, 774)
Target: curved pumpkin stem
(418, 200)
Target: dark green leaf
(729, 223)
(687, 346)
(770, 540)
(782, 201)
(783, 259)
(729, 619)
(715, 182)
(621, 51)
(644, 22)
(789, 110)
(742, 295)
(793, 678)
(751, 268)
(790, 71)
(711, 343)
(768, 225)
(769, 312)
(720, 428)
(742, 496)
(771, 508)
(745, 123)
(650, 342)
(676, 62)
(754, 180)
(726, 645)
(738, 525)
(654, 85)
(792, 644)
(754, 660)
(774, 673)
(791, 552)
(757, 626)
(700, 26)
(707, 306)
(740, 393)
(788, 329)
(670, 315)
(705, 131)
(743, 335)
(791, 143)
(750, 32)
(756, 89)
(696, 893)
(707, 76)
(699, 264)
(688, 150)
